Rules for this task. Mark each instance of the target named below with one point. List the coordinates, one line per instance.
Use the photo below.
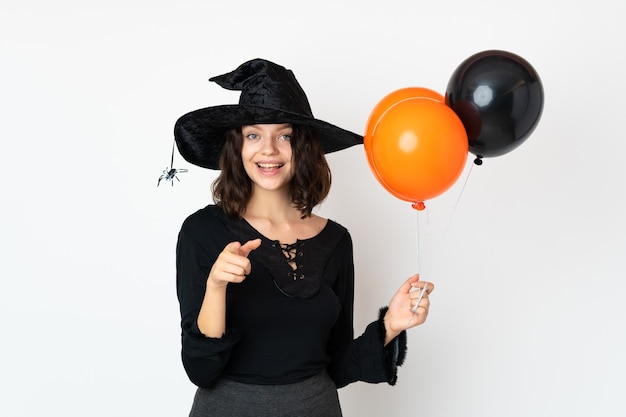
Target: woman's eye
(252, 136)
(285, 137)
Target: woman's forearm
(212, 316)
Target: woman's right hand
(232, 264)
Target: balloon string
(417, 236)
(443, 238)
(469, 172)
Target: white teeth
(268, 166)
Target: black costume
(283, 325)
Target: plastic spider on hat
(171, 174)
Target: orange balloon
(418, 149)
(382, 106)
(393, 98)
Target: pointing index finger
(249, 246)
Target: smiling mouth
(269, 166)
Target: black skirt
(313, 397)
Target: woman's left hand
(404, 311)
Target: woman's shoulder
(317, 224)
(333, 234)
(210, 216)
(207, 227)
(336, 226)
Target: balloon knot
(478, 161)
(419, 206)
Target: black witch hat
(270, 93)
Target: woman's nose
(269, 146)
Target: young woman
(265, 285)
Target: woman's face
(266, 155)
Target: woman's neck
(278, 219)
(271, 205)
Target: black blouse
(283, 324)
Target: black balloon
(499, 98)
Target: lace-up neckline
(296, 267)
(292, 253)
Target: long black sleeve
(204, 358)
(364, 358)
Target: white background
(528, 315)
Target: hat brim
(200, 134)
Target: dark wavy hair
(309, 186)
